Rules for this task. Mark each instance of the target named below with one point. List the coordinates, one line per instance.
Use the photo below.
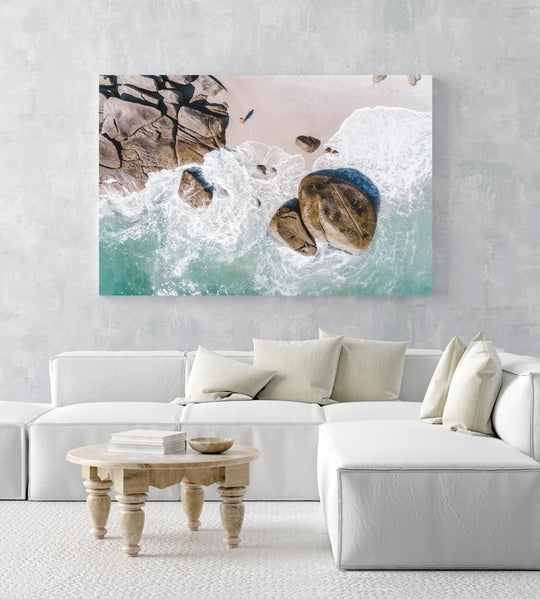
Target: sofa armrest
(516, 415)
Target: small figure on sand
(243, 119)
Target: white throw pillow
(216, 378)
(474, 389)
(368, 370)
(437, 391)
(305, 369)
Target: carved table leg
(192, 502)
(232, 513)
(98, 504)
(131, 521)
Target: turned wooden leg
(192, 502)
(232, 513)
(98, 504)
(131, 521)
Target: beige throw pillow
(474, 389)
(437, 391)
(368, 370)
(216, 378)
(305, 369)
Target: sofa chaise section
(404, 494)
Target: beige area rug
(46, 551)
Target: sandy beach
(286, 106)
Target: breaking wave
(154, 243)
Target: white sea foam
(391, 146)
(229, 241)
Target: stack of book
(149, 442)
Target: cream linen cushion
(217, 378)
(305, 369)
(368, 370)
(474, 389)
(437, 391)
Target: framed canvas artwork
(265, 185)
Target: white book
(148, 437)
(179, 447)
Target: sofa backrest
(92, 376)
(516, 415)
(417, 370)
(95, 376)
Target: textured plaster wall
(484, 57)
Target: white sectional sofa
(97, 393)
(396, 492)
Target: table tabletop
(101, 456)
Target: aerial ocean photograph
(265, 185)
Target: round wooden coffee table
(132, 474)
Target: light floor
(46, 551)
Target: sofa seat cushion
(404, 494)
(256, 411)
(285, 432)
(52, 435)
(112, 413)
(411, 444)
(372, 410)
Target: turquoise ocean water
(153, 243)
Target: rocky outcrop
(287, 227)
(412, 79)
(108, 153)
(339, 207)
(205, 87)
(307, 143)
(149, 123)
(198, 133)
(194, 189)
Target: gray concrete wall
(484, 56)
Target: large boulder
(147, 82)
(287, 226)
(129, 177)
(206, 87)
(194, 189)
(307, 143)
(198, 133)
(181, 79)
(133, 94)
(149, 123)
(123, 118)
(340, 207)
(107, 81)
(172, 100)
(108, 153)
(154, 144)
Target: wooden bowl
(210, 444)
